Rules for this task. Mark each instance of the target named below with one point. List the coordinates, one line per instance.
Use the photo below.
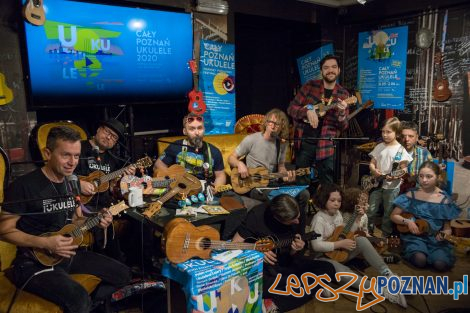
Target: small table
(165, 215)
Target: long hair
(353, 196)
(281, 118)
(284, 208)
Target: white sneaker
(396, 298)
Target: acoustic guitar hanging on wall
(441, 90)
(33, 12)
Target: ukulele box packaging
(216, 286)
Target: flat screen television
(100, 54)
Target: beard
(196, 142)
(328, 80)
(274, 134)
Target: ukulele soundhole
(205, 243)
(182, 186)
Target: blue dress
(436, 214)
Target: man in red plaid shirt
(308, 123)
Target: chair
(249, 124)
(38, 137)
(4, 172)
(25, 301)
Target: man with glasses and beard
(308, 124)
(268, 149)
(95, 156)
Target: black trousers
(57, 286)
(299, 266)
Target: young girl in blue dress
(433, 205)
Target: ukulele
(322, 109)
(458, 242)
(182, 187)
(461, 228)
(77, 232)
(369, 182)
(423, 226)
(6, 94)
(33, 12)
(441, 90)
(182, 240)
(258, 177)
(366, 105)
(101, 180)
(196, 102)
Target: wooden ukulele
(460, 228)
(6, 94)
(458, 242)
(101, 180)
(173, 171)
(258, 177)
(423, 226)
(369, 182)
(182, 187)
(441, 90)
(33, 12)
(182, 240)
(76, 232)
(322, 109)
(196, 101)
(366, 105)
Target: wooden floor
(416, 303)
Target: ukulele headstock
(264, 245)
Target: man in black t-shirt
(96, 156)
(193, 152)
(42, 201)
(280, 219)
(202, 160)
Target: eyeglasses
(273, 122)
(191, 119)
(109, 133)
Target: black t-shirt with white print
(88, 164)
(53, 211)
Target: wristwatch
(310, 107)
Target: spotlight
(212, 6)
(362, 1)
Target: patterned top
(311, 93)
(420, 155)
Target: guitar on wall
(182, 240)
(441, 90)
(6, 94)
(101, 180)
(258, 177)
(77, 232)
(322, 109)
(196, 101)
(183, 186)
(33, 12)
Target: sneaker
(396, 298)
(270, 307)
(391, 258)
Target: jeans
(377, 197)
(57, 286)
(306, 157)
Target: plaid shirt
(310, 93)
(420, 155)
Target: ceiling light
(362, 1)
(212, 6)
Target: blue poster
(309, 64)
(217, 82)
(382, 67)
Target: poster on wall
(217, 82)
(382, 67)
(309, 64)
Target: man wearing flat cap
(95, 156)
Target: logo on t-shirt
(105, 167)
(56, 205)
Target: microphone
(276, 136)
(206, 167)
(96, 152)
(75, 184)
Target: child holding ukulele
(431, 204)
(325, 222)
